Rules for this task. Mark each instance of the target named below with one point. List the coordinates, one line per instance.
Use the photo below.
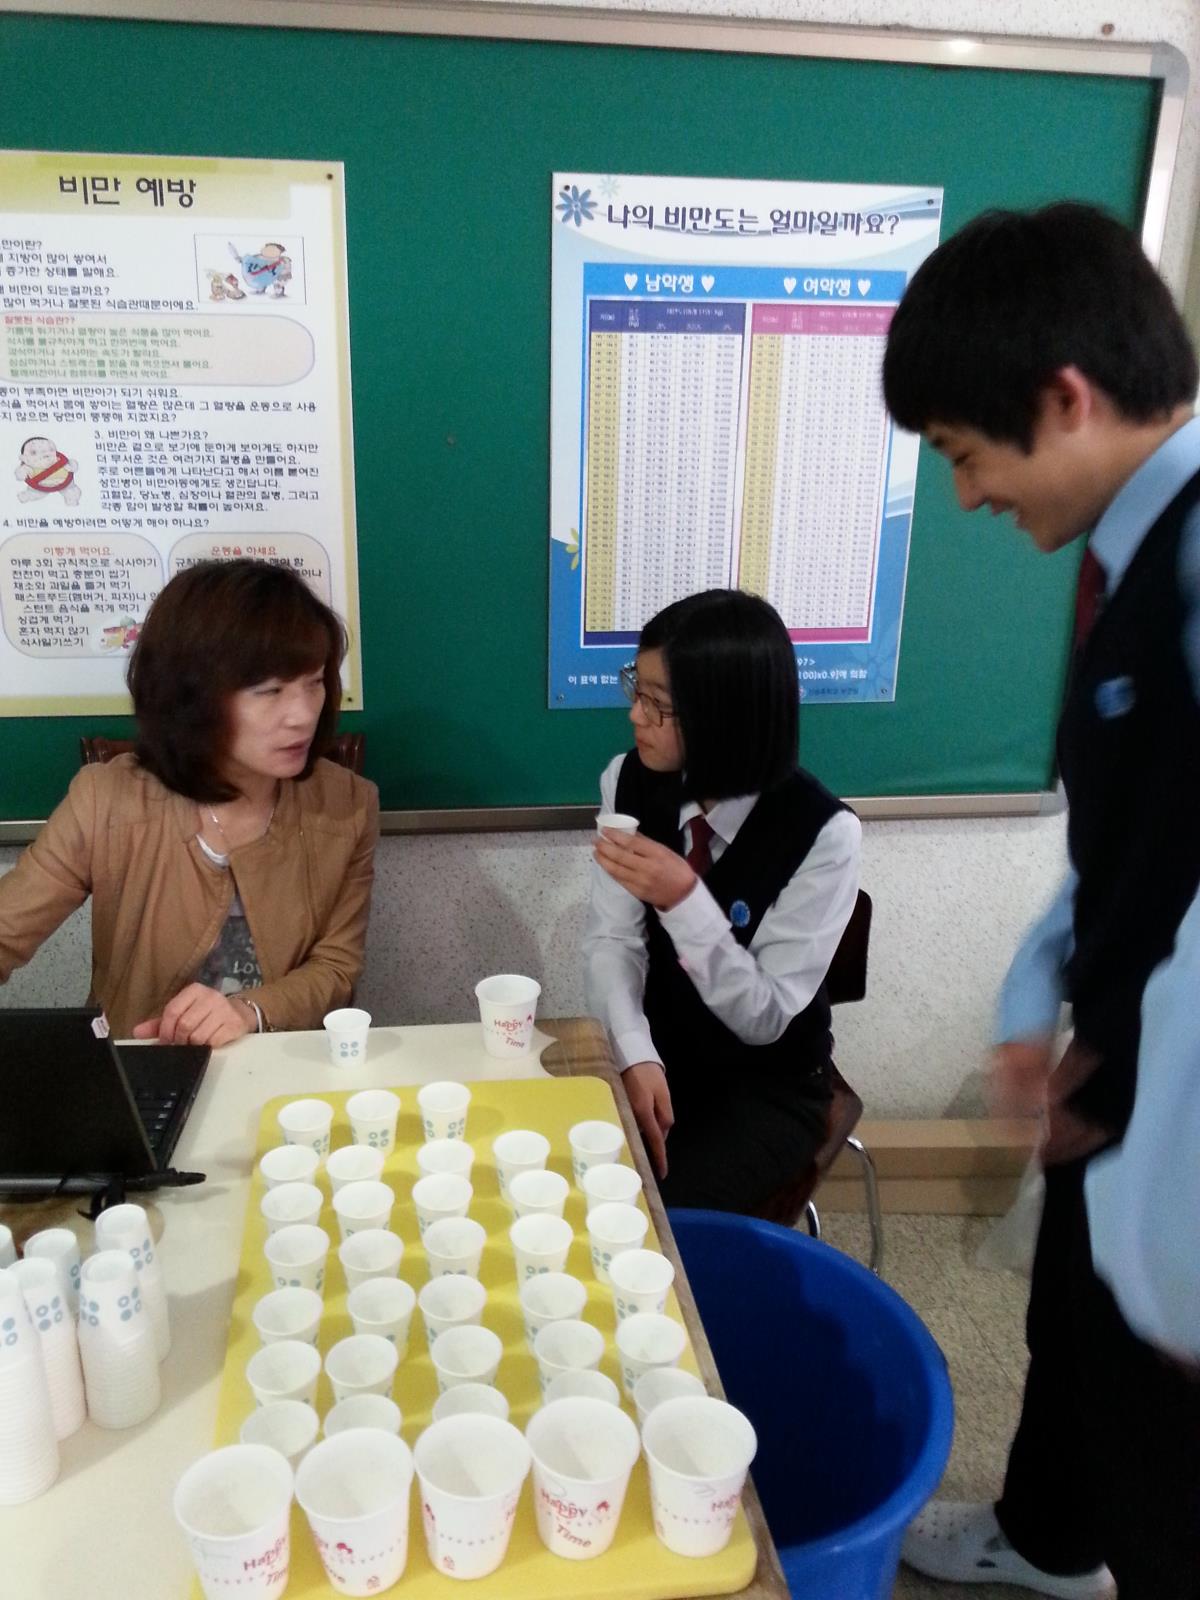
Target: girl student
(710, 929)
(228, 864)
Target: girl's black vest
(1129, 753)
(769, 847)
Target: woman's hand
(199, 1015)
(647, 869)
(650, 1101)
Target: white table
(105, 1530)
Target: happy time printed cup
(233, 1506)
(347, 1030)
(372, 1114)
(471, 1469)
(592, 1144)
(583, 1452)
(698, 1451)
(613, 1228)
(354, 1488)
(507, 1008)
(307, 1122)
(443, 1107)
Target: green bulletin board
(449, 144)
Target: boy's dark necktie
(699, 857)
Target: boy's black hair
(732, 671)
(999, 308)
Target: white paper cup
(359, 1206)
(288, 1314)
(116, 1342)
(233, 1506)
(583, 1384)
(518, 1150)
(8, 1250)
(451, 1301)
(454, 1244)
(307, 1122)
(663, 1383)
(60, 1246)
(567, 1346)
(372, 1253)
(354, 1489)
(287, 1203)
(476, 1399)
(583, 1452)
(640, 1280)
(443, 1194)
(646, 1340)
(347, 1030)
(289, 1426)
(471, 1469)
(507, 1007)
(445, 1155)
(365, 1363)
(373, 1114)
(443, 1107)
(699, 1451)
(612, 1228)
(550, 1297)
(383, 1306)
(363, 1411)
(354, 1163)
(540, 1244)
(466, 1354)
(616, 822)
(608, 1182)
(592, 1145)
(538, 1193)
(296, 1256)
(29, 1454)
(285, 1370)
(289, 1163)
(50, 1314)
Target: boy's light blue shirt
(1137, 1191)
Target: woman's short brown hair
(218, 627)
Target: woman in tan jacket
(229, 865)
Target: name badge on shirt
(739, 914)
(1115, 697)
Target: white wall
(950, 896)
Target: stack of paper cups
(28, 1448)
(116, 1342)
(62, 1247)
(128, 1228)
(60, 1349)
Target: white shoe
(962, 1542)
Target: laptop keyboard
(155, 1107)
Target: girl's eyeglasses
(655, 711)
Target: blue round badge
(739, 914)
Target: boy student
(1042, 356)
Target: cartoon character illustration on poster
(45, 470)
(216, 284)
(269, 268)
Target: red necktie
(699, 857)
(1089, 595)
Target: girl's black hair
(732, 671)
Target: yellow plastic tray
(637, 1567)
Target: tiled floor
(977, 1316)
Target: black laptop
(81, 1114)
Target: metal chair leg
(874, 1214)
(812, 1220)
